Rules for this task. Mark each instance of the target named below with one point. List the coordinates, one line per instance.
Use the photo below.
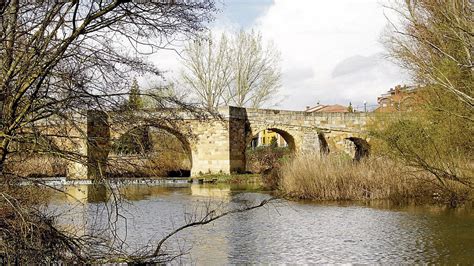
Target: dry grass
(36, 166)
(147, 166)
(339, 178)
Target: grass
(25, 165)
(231, 178)
(338, 178)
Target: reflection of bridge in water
(217, 144)
(99, 193)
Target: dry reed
(339, 178)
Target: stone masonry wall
(218, 144)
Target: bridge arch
(155, 148)
(323, 144)
(259, 152)
(286, 134)
(361, 148)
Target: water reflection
(289, 233)
(212, 191)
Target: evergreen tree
(350, 109)
(135, 101)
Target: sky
(331, 50)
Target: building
(268, 137)
(400, 98)
(321, 108)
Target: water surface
(285, 232)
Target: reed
(339, 178)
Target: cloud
(355, 64)
(330, 49)
(336, 41)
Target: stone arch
(263, 161)
(183, 140)
(362, 148)
(181, 137)
(285, 133)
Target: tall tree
(207, 69)
(64, 57)
(256, 71)
(58, 60)
(135, 101)
(238, 70)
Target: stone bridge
(218, 144)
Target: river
(283, 232)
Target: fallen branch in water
(210, 216)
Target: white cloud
(335, 45)
(330, 51)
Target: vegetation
(336, 177)
(60, 59)
(264, 158)
(135, 101)
(237, 70)
(434, 42)
(267, 160)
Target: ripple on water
(301, 233)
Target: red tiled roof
(335, 108)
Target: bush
(264, 159)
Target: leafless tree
(207, 69)
(238, 70)
(61, 58)
(257, 74)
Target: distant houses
(399, 99)
(328, 108)
(268, 137)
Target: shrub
(264, 159)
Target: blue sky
(242, 12)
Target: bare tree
(60, 59)
(256, 71)
(237, 70)
(207, 69)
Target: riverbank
(323, 180)
(228, 179)
(209, 179)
